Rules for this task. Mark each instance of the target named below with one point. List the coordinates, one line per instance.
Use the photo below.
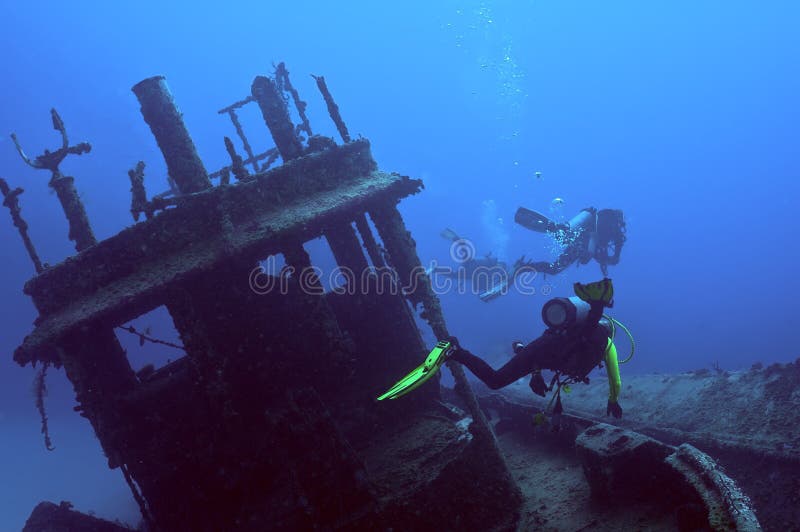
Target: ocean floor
(557, 496)
(749, 421)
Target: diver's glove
(597, 292)
(453, 342)
(613, 409)
(537, 383)
(455, 348)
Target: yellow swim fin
(596, 291)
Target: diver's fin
(449, 234)
(533, 220)
(596, 291)
(494, 292)
(421, 373)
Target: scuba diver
(482, 272)
(578, 339)
(591, 234)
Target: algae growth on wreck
(231, 228)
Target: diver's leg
(528, 359)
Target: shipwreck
(269, 421)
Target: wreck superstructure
(264, 423)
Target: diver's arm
(593, 318)
(563, 262)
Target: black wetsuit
(573, 353)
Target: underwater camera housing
(563, 313)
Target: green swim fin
(421, 374)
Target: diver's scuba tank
(583, 221)
(563, 313)
(535, 221)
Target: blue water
(683, 114)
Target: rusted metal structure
(269, 420)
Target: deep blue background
(684, 115)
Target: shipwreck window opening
(324, 263)
(274, 265)
(150, 341)
(272, 274)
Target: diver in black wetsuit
(481, 272)
(591, 234)
(576, 342)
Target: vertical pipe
(276, 115)
(80, 231)
(166, 123)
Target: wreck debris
(231, 111)
(137, 496)
(373, 250)
(333, 109)
(271, 155)
(728, 507)
(145, 338)
(11, 200)
(40, 390)
(166, 123)
(139, 203)
(238, 169)
(80, 231)
(620, 463)
(51, 517)
(284, 84)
